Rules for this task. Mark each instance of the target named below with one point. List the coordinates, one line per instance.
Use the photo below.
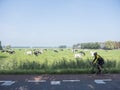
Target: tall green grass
(61, 62)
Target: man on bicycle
(98, 61)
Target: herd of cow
(30, 52)
(37, 52)
(8, 51)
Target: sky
(58, 22)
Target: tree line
(107, 45)
(0, 46)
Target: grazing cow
(75, 50)
(56, 51)
(11, 52)
(92, 53)
(36, 53)
(3, 51)
(29, 52)
(78, 55)
(83, 53)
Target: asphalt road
(60, 82)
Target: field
(63, 61)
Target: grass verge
(56, 71)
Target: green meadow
(61, 62)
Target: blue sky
(58, 22)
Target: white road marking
(7, 83)
(55, 82)
(99, 82)
(107, 79)
(71, 80)
(102, 81)
(36, 80)
(2, 81)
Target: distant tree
(74, 46)
(109, 45)
(8, 47)
(102, 45)
(90, 45)
(97, 45)
(116, 45)
(62, 46)
(0, 46)
(77, 46)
